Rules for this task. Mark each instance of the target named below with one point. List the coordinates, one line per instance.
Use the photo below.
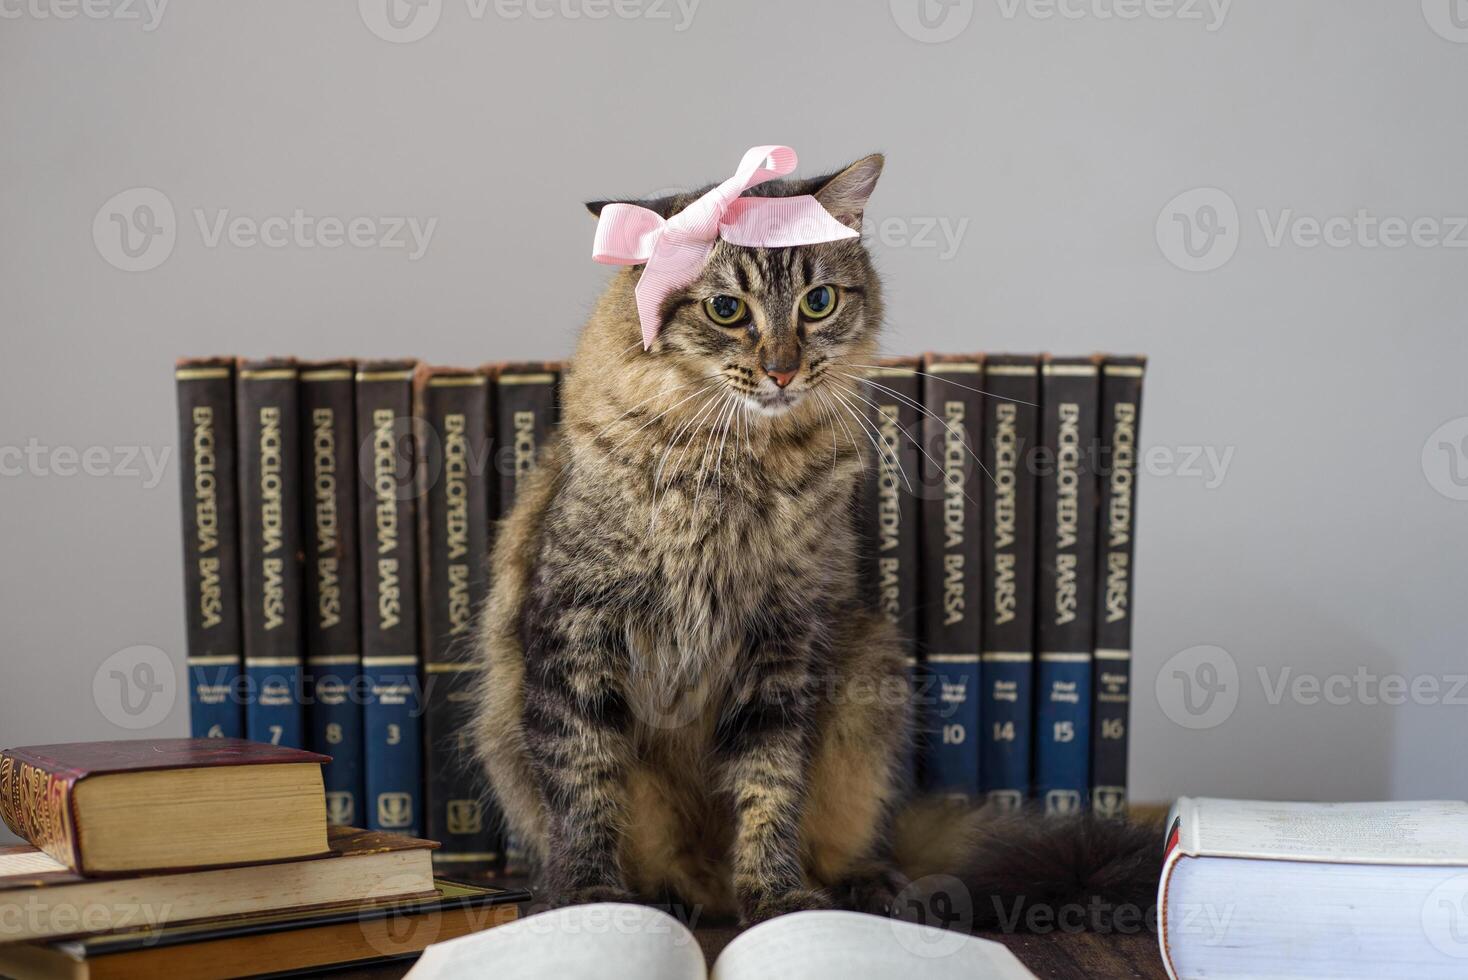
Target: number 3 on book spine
(386, 513)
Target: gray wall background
(1048, 147)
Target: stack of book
(337, 519)
(192, 857)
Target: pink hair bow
(675, 249)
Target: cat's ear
(665, 206)
(845, 194)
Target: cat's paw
(874, 892)
(585, 895)
(783, 903)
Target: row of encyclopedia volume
(1000, 517)
(337, 519)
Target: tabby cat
(688, 696)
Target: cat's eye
(726, 311)
(818, 303)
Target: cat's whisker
(734, 406)
(924, 410)
(873, 434)
(672, 441)
(935, 377)
(665, 411)
(704, 409)
(937, 467)
(868, 421)
(831, 424)
(836, 417)
(708, 446)
(659, 394)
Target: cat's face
(776, 325)
(773, 324)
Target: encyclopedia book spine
(525, 402)
(1010, 431)
(953, 487)
(892, 394)
(211, 555)
(525, 415)
(454, 411)
(391, 712)
(269, 424)
(1121, 415)
(1067, 583)
(333, 589)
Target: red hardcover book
(163, 804)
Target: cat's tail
(1025, 872)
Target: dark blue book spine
(1011, 430)
(392, 714)
(211, 514)
(950, 607)
(1067, 583)
(270, 547)
(333, 618)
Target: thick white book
(632, 942)
(1262, 890)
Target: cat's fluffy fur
(686, 694)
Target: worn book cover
(211, 545)
(525, 406)
(305, 942)
(1011, 429)
(1121, 416)
(53, 795)
(951, 612)
(525, 414)
(392, 685)
(1067, 582)
(42, 899)
(333, 587)
(269, 425)
(891, 394)
(455, 412)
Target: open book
(614, 941)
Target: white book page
(608, 941)
(28, 864)
(1431, 832)
(852, 946)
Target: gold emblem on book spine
(339, 809)
(394, 810)
(465, 817)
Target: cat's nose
(782, 378)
